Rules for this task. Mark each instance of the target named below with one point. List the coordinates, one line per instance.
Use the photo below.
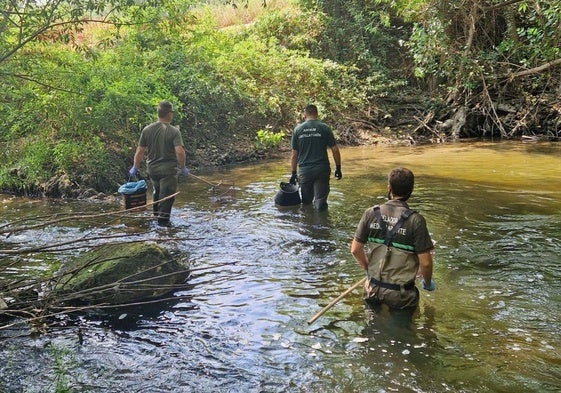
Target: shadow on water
(260, 272)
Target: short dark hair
(164, 107)
(401, 181)
(311, 110)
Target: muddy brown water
(492, 325)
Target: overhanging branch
(503, 4)
(535, 70)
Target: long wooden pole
(203, 180)
(336, 300)
(135, 208)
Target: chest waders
(390, 267)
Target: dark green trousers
(163, 186)
(315, 188)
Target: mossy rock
(120, 274)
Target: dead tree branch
(535, 70)
(9, 230)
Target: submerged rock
(120, 274)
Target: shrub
(267, 139)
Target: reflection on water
(260, 272)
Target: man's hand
(338, 174)
(430, 287)
(184, 171)
(133, 171)
(293, 178)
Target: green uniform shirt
(160, 140)
(413, 236)
(311, 139)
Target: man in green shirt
(162, 145)
(309, 143)
(400, 248)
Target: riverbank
(397, 120)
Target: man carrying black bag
(310, 141)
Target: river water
(259, 273)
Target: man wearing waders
(401, 248)
(162, 146)
(310, 141)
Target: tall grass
(229, 16)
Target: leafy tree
(28, 21)
(363, 33)
(64, 112)
(489, 52)
(486, 37)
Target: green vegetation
(267, 139)
(62, 359)
(79, 83)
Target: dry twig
(30, 301)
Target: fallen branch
(35, 301)
(53, 247)
(503, 4)
(495, 116)
(535, 70)
(7, 230)
(35, 314)
(424, 123)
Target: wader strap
(396, 287)
(390, 234)
(388, 238)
